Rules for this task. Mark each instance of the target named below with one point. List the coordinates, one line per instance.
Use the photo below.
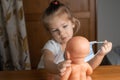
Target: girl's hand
(105, 48)
(62, 66)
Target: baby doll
(77, 49)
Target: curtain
(14, 52)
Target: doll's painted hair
(56, 8)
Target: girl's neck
(63, 46)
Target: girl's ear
(73, 25)
(67, 55)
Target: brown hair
(56, 8)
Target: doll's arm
(67, 74)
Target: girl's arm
(49, 62)
(105, 48)
(95, 62)
(51, 66)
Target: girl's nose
(62, 32)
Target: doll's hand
(62, 66)
(105, 48)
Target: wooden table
(100, 73)
(106, 73)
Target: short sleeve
(55, 48)
(52, 46)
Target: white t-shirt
(55, 48)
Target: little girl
(62, 25)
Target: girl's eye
(65, 26)
(55, 30)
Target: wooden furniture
(84, 10)
(100, 73)
(106, 73)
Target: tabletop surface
(106, 73)
(100, 73)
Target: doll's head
(78, 47)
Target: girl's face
(61, 28)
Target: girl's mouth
(64, 38)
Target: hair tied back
(53, 6)
(55, 2)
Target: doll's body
(77, 49)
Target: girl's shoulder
(52, 45)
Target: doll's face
(78, 47)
